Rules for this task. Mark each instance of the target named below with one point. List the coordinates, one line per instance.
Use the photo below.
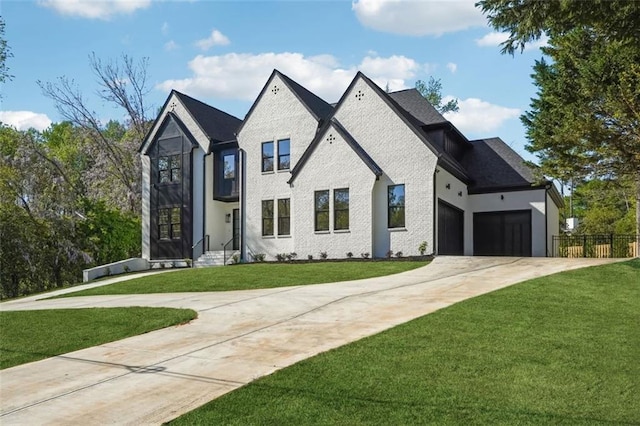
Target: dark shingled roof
(315, 104)
(217, 125)
(415, 104)
(492, 164)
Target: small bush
(365, 255)
(292, 256)
(389, 254)
(107, 271)
(349, 255)
(399, 254)
(235, 258)
(126, 269)
(162, 265)
(188, 262)
(422, 248)
(281, 257)
(258, 257)
(323, 255)
(310, 256)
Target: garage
(502, 233)
(450, 229)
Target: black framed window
(267, 218)
(229, 166)
(284, 154)
(341, 209)
(267, 156)
(321, 210)
(169, 223)
(284, 216)
(169, 168)
(395, 203)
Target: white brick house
(374, 173)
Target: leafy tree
(5, 53)
(432, 91)
(584, 121)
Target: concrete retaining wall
(115, 268)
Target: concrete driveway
(237, 337)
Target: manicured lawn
(252, 276)
(559, 349)
(32, 335)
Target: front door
(236, 229)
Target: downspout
(242, 203)
(435, 209)
(546, 220)
(204, 199)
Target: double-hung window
(341, 209)
(395, 206)
(169, 168)
(267, 156)
(321, 210)
(284, 216)
(284, 154)
(267, 218)
(169, 223)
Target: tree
(5, 53)
(528, 20)
(124, 83)
(432, 91)
(585, 120)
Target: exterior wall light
(227, 218)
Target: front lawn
(558, 349)
(252, 276)
(32, 335)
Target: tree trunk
(638, 204)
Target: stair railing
(224, 249)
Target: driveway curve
(237, 337)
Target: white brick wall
(450, 195)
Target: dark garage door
(450, 229)
(502, 233)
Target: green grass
(252, 276)
(32, 335)
(562, 349)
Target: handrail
(224, 250)
(201, 242)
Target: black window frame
(397, 206)
(266, 158)
(172, 223)
(284, 216)
(338, 211)
(170, 166)
(267, 219)
(320, 213)
(281, 156)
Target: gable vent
(275, 90)
(172, 107)
(331, 138)
(359, 95)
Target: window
(229, 164)
(284, 216)
(169, 168)
(267, 218)
(267, 156)
(284, 157)
(341, 209)
(396, 206)
(169, 223)
(321, 210)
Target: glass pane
(267, 226)
(163, 216)
(283, 162)
(175, 215)
(175, 232)
(322, 200)
(283, 226)
(341, 219)
(341, 199)
(175, 161)
(267, 156)
(322, 221)
(396, 217)
(229, 166)
(164, 176)
(163, 163)
(396, 195)
(175, 175)
(283, 208)
(267, 208)
(164, 232)
(283, 154)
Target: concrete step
(212, 258)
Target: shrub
(188, 262)
(349, 255)
(258, 257)
(422, 248)
(365, 255)
(323, 255)
(281, 257)
(107, 271)
(389, 254)
(126, 269)
(399, 254)
(310, 256)
(292, 256)
(235, 258)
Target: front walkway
(237, 337)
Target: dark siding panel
(450, 229)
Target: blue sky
(222, 52)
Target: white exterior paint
(146, 206)
(275, 116)
(533, 200)
(553, 223)
(457, 195)
(198, 182)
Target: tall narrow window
(169, 168)
(396, 206)
(267, 156)
(341, 209)
(321, 210)
(169, 223)
(284, 216)
(284, 154)
(267, 218)
(229, 164)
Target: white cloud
(95, 9)
(241, 76)
(418, 18)
(25, 120)
(171, 45)
(476, 115)
(452, 67)
(215, 39)
(494, 39)
(165, 28)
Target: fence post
(584, 246)
(611, 245)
